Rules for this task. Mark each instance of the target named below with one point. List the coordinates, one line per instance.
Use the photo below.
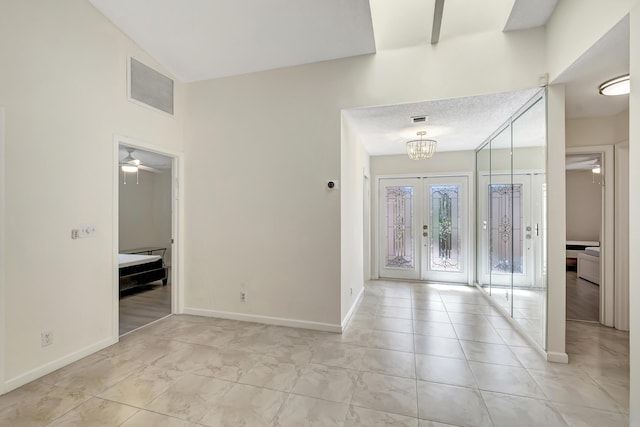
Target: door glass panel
(399, 250)
(506, 228)
(445, 228)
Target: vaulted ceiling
(205, 39)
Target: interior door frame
(470, 223)
(2, 250)
(177, 224)
(607, 230)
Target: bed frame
(142, 274)
(589, 268)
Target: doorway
(423, 228)
(146, 224)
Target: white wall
(354, 166)
(145, 211)
(576, 25)
(634, 212)
(584, 206)
(63, 83)
(263, 219)
(598, 130)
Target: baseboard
(353, 308)
(43, 370)
(269, 320)
(557, 357)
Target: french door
(510, 230)
(423, 228)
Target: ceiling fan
(131, 164)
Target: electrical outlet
(46, 338)
(243, 296)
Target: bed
(575, 247)
(589, 264)
(139, 270)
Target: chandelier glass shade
(421, 149)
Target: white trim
(2, 250)
(177, 223)
(551, 356)
(269, 320)
(621, 292)
(353, 308)
(43, 370)
(557, 357)
(607, 243)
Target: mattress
(128, 260)
(593, 251)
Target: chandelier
(421, 149)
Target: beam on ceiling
(437, 21)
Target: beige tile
(573, 389)
(269, 372)
(393, 324)
(468, 319)
(438, 346)
(618, 389)
(489, 353)
(398, 312)
(353, 336)
(429, 304)
(513, 338)
(479, 333)
(95, 413)
(579, 416)
(386, 393)
(508, 411)
(336, 354)
(395, 302)
(362, 417)
(435, 329)
(189, 397)
(391, 340)
(142, 386)
(229, 365)
(427, 423)
(506, 379)
(37, 403)
(444, 370)
(146, 419)
(244, 405)
(327, 382)
(389, 362)
(93, 375)
(301, 411)
(437, 402)
(431, 315)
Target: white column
(556, 226)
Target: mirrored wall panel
(511, 215)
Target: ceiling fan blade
(149, 169)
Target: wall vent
(419, 119)
(150, 87)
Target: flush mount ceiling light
(421, 149)
(617, 86)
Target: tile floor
(413, 355)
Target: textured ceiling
(205, 39)
(457, 124)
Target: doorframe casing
(2, 251)
(177, 224)
(607, 231)
(470, 226)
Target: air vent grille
(419, 119)
(150, 87)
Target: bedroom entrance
(146, 207)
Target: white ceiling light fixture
(617, 86)
(421, 149)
